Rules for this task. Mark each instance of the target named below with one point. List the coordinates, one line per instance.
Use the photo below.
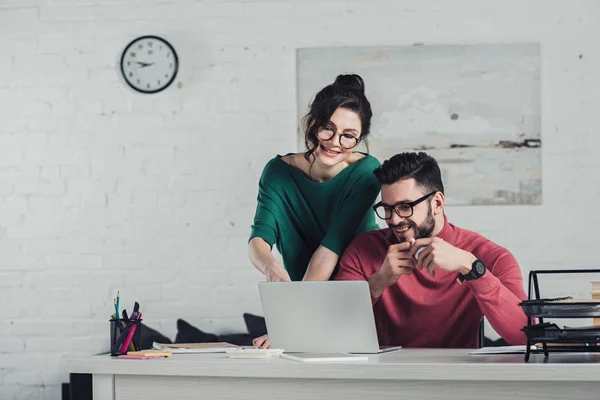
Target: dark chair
(481, 333)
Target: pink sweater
(421, 311)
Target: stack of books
(596, 296)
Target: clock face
(149, 64)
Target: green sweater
(299, 214)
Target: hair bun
(351, 80)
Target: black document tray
(551, 337)
(552, 333)
(551, 308)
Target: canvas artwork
(475, 108)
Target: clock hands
(144, 64)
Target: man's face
(421, 223)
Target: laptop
(320, 317)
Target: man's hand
(262, 342)
(438, 254)
(276, 273)
(398, 261)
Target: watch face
(149, 64)
(480, 268)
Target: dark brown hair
(420, 166)
(347, 91)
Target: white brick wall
(102, 189)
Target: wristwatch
(477, 271)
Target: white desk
(404, 374)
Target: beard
(421, 231)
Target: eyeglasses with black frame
(347, 141)
(403, 209)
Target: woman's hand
(276, 273)
(262, 342)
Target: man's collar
(446, 229)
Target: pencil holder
(124, 336)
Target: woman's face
(339, 137)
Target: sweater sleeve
(353, 212)
(265, 221)
(498, 293)
(350, 267)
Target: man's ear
(438, 203)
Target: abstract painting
(475, 108)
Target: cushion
(187, 333)
(255, 324)
(146, 336)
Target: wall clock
(149, 64)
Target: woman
(312, 205)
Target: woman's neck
(323, 173)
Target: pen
(118, 299)
(115, 318)
(121, 339)
(125, 344)
(126, 319)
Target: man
(432, 282)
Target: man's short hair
(420, 166)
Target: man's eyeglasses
(347, 141)
(403, 209)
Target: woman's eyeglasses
(347, 141)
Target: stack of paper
(502, 350)
(193, 348)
